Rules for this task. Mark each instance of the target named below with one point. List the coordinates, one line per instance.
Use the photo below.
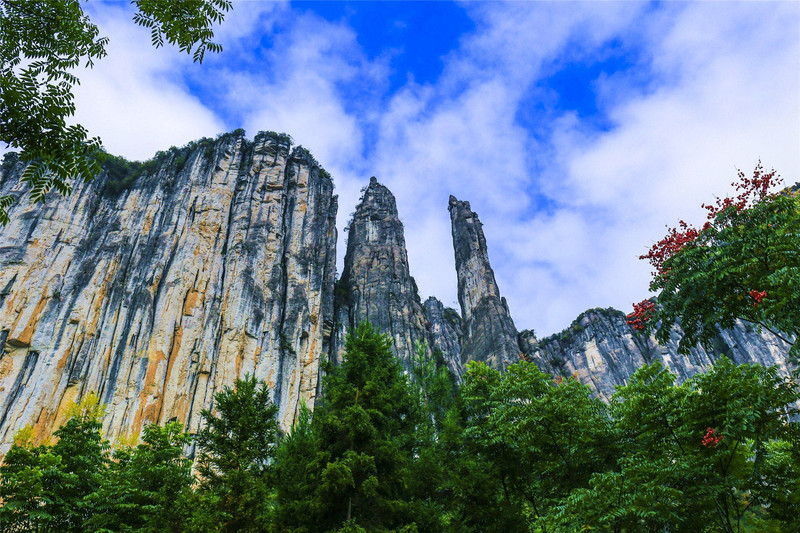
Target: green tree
(435, 389)
(46, 487)
(41, 43)
(744, 263)
(22, 491)
(145, 487)
(779, 487)
(235, 460)
(693, 457)
(362, 445)
(479, 465)
(294, 479)
(542, 438)
(84, 456)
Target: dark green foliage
(236, 452)
(295, 481)
(122, 174)
(673, 472)
(435, 387)
(341, 293)
(46, 488)
(83, 458)
(510, 452)
(42, 43)
(183, 23)
(361, 446)
(10, 160)
(538, 438)
(22, 488)
(145, 488)
(283, 138)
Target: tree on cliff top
(743, 264)
(41, 43)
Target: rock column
(489, 334)
(376, 284)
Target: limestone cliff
(219, 261)
(445, 331)
(602, 350)
(376, 284)
(158, 287)
(488, 332)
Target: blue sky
(577, 130)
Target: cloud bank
(676, 96)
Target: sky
(577, 130)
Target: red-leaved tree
(742, 264)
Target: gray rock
(376, 284)
(488, 333)
(602, 351)
(220, 260)
(217, 263)
(445, 328)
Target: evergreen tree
(435, 390)
(144, 487)
(362, 446)
(295, 480)
(476, 467)
(236, 452)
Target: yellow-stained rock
(160, 296)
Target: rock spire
(376, 284)
(488, 331)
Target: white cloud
(135, 98)
(723, 91)
(567, 208)
(733, 96)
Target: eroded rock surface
(219, 263)
(376, 284)
(489, 334)
(602, 350)
(445, 331)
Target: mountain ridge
(218, 259)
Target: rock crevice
(160, 295)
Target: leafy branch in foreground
(41, 43)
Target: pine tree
(362, 445)
(235, 461)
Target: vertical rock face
(445, 330)
(489, 334)
(602, 350)
(156, 292)
(218, 264)
(376, 284)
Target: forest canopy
(519, 451)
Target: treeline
(519, 451)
